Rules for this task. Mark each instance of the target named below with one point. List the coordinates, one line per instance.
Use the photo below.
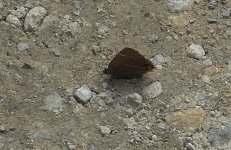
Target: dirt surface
(74, 43)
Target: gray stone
(219, 136)
(104, 130)
(212, 4)
(153, 90)
(53, 102)
(103, 30)
(135, 99)
(158, 60)
(2, 128)
(190, 146)
(34, 18)
(13, 20)
(179, 5)
(20, 12)
(71, 146)
(83, 94)
(129, 123)
(207, 62)
(41, 135)
(195, 51)
(225, 13)
(22, 48)
(74, 28)
(78, 6)
(64, 131)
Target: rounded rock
(83, 94)
(153, 90)
(13, 20)
(195, 51)
(34, 18)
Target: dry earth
(68, 43)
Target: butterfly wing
(129, 64)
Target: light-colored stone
(83, 94)
(13, 20)
(153, 90)
(195, 51)
(188, 120)
(34, 18)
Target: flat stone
(104, 130)
(188, 120)
(41, 135)
(179, 5)
(53, 102)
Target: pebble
(71, 146)
(103, 30)
(2, 129)
(225, 13)
(20, 12)
(190, 146)
(53, 102)
(195, 51)
(34, 18)
(212, 70)
(104, 130)
(179, 5)
(129, 123)
(13, 20)
(207, 62)
(153, 90)
(158, 60)
(41, 135)
(189, 119)
(83, 94)
(135, 99)
(212, 4)
(74, 28)
(78, 6)
(22, 48)
(219, 136)
(64, 131)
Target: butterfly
(128, 64)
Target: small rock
(64, 131)
(19, 12)
(41, 135)
(104, 130)
(2, 129)
(22, 48)
(225, 13)
(78, 6)
(195, 51)
(135, 98)
(212, 4)
(83, 94)
(34, 18)
(129, 123)
(207, 62)
(71, 146)
(220, 136)
(74, 28)
(190, 146)
(153, 90)
(187, 120)
(103, 30)
(13, 20)
(212, 70)
(158, 60)
(179, 5)
(53, 102)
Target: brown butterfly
(128, 64)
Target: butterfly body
(128, 64)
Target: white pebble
(83, 94)
(195, 51)
(153, 90)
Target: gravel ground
(54, 95)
